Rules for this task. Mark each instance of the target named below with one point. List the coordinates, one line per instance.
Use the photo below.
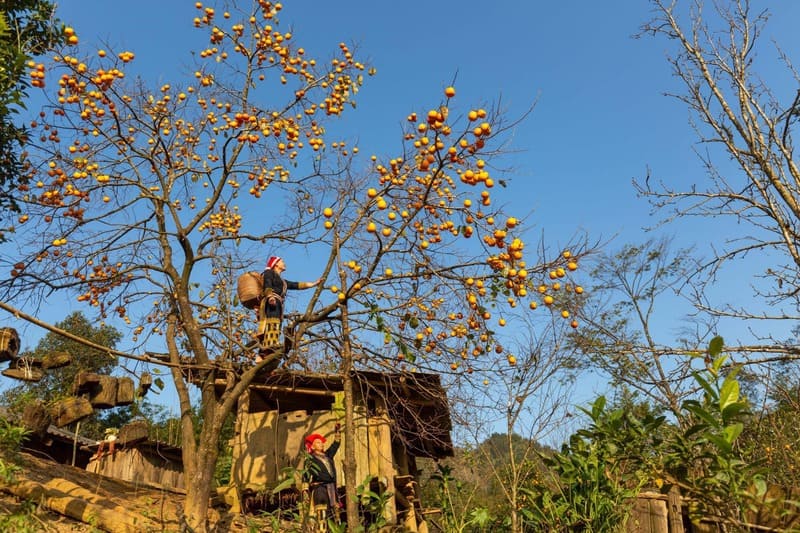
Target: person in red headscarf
(275, 286)
(274, 292)
(321, 472)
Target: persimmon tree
(144, 204)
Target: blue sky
(600, 117)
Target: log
(70, 410)
(85, 382)
(9, 344)
(104, 395)
(69, 499)
(133, 432)
(125, 392)
(36, 418)
(25, 373)
(56, 360)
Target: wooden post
(381, 448)
(674, 510)
(406, 494)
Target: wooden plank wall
(266, 443)
(130, 464)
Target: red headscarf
(272, 261)
(310, 440)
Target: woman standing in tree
(275, 288)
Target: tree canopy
(27, 29)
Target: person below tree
(321, 472)
(275, 288)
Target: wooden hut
(398, 418)
(144, 462)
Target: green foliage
(22, 520)
(456, 498)
(373, 504)
(27, 29)
(600, 470)
(704, 460)
(11, 438)
(595, 475)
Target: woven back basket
(248, 288)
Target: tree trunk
(350, 471)
(198, 494)
(200, 484)
(350, 455)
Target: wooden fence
(654, 512)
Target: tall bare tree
(633, 290)
(741, 113)
(530, 402)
